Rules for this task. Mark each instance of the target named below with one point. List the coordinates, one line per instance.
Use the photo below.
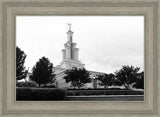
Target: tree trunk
(126, 86)
(79, 90)
(79, 83)
(78, 87)
(39, 85)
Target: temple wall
(64, 54)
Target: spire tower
(70, 53)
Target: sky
(105, 43)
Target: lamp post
(94, 82)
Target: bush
(39, 94)
(26, 84)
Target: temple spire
(69, 24)
(69, 33)
(70, 52)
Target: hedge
(103, 92)
(26, 84)
(39, 94)
(49, 86)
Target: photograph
(80, 58)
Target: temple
(70, 59)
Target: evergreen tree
(42, 72)
(21, 72)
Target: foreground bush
(26, 84)
(39, 94)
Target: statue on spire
(69, 24)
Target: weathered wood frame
(9, 9)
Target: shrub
(26, 84)
(39, 94)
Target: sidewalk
(106, 98)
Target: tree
(127, 75)
(105, 79)
(139, 81)
(21, 72)
(42, 72)
(77, 77)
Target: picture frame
(147, 8)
